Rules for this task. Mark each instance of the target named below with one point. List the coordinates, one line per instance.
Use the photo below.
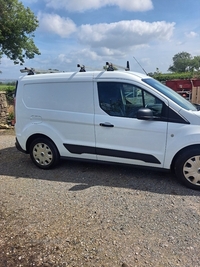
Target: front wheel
(44, 153)
(187, 168)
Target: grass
(7, 87)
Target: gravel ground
(83, 214)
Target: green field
(7, 87)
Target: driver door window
(124, 100)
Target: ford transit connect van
(109, 116)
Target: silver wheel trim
(42, 154)
(191, 170)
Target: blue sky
(91, 32)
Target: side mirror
(145, 114)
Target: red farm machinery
(188, 88)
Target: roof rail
(112, 67)
(32, 71)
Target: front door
(120, 136)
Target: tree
(17, 26)
(196, 63)
(182, 62)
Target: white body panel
(65, 108)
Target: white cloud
(191, 34)
(80, 6)
(55, 24)
(108, 38)
(124, 33)
(86, 54)
(134, 5)
(63, 58)
(104, 51)
(7, 66)
(68, 61)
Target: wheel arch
(35, 136)
(182, 151)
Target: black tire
(44, 153)
(187, 168)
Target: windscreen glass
(178, 99)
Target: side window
(153, 103)
(133, 99)
(110, 98)
(137, 98)
(124, 100)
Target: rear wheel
(187, 168)
(44, 153)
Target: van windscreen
(178, 99)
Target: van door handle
(106, 124)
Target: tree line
(184, 67)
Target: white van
(109, 116)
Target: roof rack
(108, 67)
(82, 68)
(112, 67)
(32, 71)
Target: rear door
(120, 136)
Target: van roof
(84, 76)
